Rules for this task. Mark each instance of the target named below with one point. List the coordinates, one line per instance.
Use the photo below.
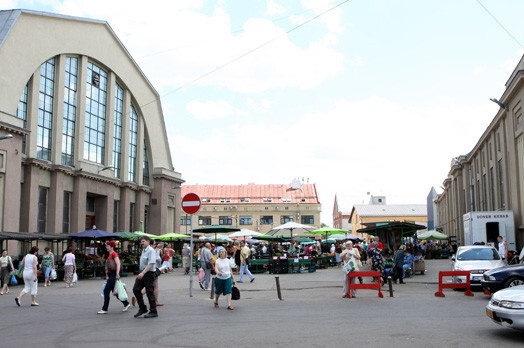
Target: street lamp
(8, 136)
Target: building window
(117, 133)
(68, 128)
(492, 184)
(225, 200)
(146, 213)
(471, 189)
(90, 205)
(116, 208)
(308, 219)
(286, 218)
(133, 144)
(66, 215)
(485, 189)
(145, 172)
(286, 199)
(185, 220)
(95, 121)
(21, 113)
(204, 220)
(225, 220)
(501, 186)
(267, 200)
(131, 217)
(266, 220)
(246, 220)
(479, 203)
(244, 200)
(42, 210)
(45, 110)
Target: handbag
(13, 280)
(121, 289)
(9, 268)
(235, 293)
(20, 272)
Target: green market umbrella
(172, 236)
(432, 235)
(152, 236)
(128, 235)
(304, 240)
(328, 231)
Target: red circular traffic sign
(191, 203)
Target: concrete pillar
(78, 205)
(123, 214)
(55, 202)
(29, 204)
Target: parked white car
(477, 259)
(506, 307)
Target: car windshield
(479, 254)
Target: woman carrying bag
(224, 279)
(7, 268)
(112, 276)
(30, 277)
(346, 256)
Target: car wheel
(513, 281)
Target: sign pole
(191, 258)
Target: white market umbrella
(244, 233)
(290, 227)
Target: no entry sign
(191, 203)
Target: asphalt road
(312, 314)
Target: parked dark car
(504, 277)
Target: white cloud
(209, 110)
(479, 70)
(274, 9)
(260, 107)
(190, 43)
(375, 145)
(357, 61)
(7, 4)
(509, 65)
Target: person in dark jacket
(398, 262)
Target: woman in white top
(224, 279)
(30, 277)
(69, 266)
(7, 265)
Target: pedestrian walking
(224, 280)
(206, 264)
(398, 262)
(244, 262)
(237, 256)
(69, 266)
(112, 275)
(186, 255)
(7, 267)
(146, 279)
(155, 291)
(346, 255)
(48, 264)
(30, 277)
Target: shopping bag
(20, 272)
(201, 274)
(53, 275)
(232, 263)
(349, 265)
(121, 289)
(75, 278)
(235, 293)
(13, 280)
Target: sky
(357, 97)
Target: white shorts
(30, 285)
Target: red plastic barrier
(355, 286)
(466, 285)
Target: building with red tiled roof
(254, 207)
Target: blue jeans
(47, 272)
(110, 285)
(244, 268)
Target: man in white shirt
(146, 278)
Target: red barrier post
(466, 285)
(356, 286)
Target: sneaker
(139, 313)
(252, 280)
(151, 315)
(102, 311)
(126, 308)
(201, 285)
(133, 301)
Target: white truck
(486, 226)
